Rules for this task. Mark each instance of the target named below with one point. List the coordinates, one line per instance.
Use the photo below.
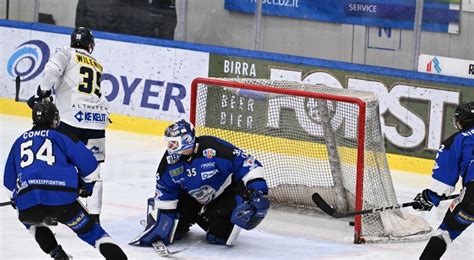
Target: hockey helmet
(45, 114)
(464, 116)
(179, 136)
(82, 38)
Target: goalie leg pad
(163, 230)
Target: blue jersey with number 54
(44, 166)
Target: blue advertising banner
(437, 16)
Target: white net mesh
(306, 136)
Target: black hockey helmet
(46, 114)
(83, 38)
(464, 116)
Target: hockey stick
(6, 203)
(17, 90)
(333, 213)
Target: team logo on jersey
(177, 171)
(250, 162)
(208, 174)
(203, 194)
(209, 153)
(20, 185)
(28, 60)
(89, 117)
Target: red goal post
(335, 159)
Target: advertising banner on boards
(138, 79)
(416, 115)
(446, 66)
(438, 16)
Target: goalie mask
(463, 118)
(179, 137)
(45, 114)
(83, 38)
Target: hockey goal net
(310, 138)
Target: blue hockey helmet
(463, 118)
(179, 137)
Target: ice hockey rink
(129, 179)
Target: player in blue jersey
(455, 159)
(208, 181)
(46, 171)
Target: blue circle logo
(28, 60)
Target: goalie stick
(324, 206)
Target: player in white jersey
(73, 76)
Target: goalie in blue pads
(206, 181)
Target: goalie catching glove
(252, 205)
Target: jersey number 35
(90, 81)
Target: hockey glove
(251, 209)
(426, 200)
(85, 189)
(40, 95)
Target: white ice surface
(129, 178)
